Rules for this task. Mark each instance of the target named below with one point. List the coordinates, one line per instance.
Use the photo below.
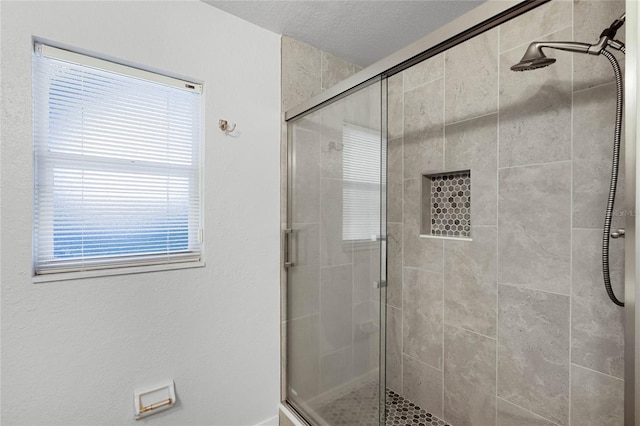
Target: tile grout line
(528, 42)
(320, 230)
(528, 411)
(597, 86)
(401, 284)
(597, 372)
(469, 331)
(423, 84)
(518, 166)
(422, 362)
(522, 287)
(339, 265)
(401, 238)
(475, 117)
(571, 184)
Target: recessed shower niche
(446, 205)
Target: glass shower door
(335, 261)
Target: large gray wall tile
(394, 349)
(334, 70)
(590, 18)
(593, 126)
(597, 325)
(394, 180)
(470, 282)
(395, 100)
(512, 415)
(394, 264)
(535, 109)
(533, 351)
(424, 72)
(303, 356)
(333, 249)
(362, 275)
(301, 65)
(596, 399)
(423, 129)
(422, 316)
(472, 145)
(363, 107)
(422, 385)
(471, 80)
(531, 26)
(469, 378)
(305, 190)
(366, 339)
(332, 121)
(534, 244)
(335, 369)
(418, 252)
(335, 308)
(303, 283)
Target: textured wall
(73, 351)
(515, 326)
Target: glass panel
(336, 213)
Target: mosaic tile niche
(446, 204)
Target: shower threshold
(357, 407)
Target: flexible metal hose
(614, 178)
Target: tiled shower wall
(513, 327)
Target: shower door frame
(632, 135)
(483, 18)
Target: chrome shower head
(532, 64)
(535, 58)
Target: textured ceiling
(359, 31)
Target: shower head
(532, 64)
(535, 58)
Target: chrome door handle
(287, 263)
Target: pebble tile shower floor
(357, 407)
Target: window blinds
(117, 166)
(363, 160)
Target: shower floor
(357, 407)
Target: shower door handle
(286, 233)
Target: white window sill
(65, 276)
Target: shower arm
(534, 50)
(607, 39)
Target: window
(117, 165)
(362, 161)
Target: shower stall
(443, 248)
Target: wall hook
(334, 146)
(224, 126)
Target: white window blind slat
(362, 162)
(117, 167)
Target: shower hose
(614, 177)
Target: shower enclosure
(443, 242)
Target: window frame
(127, 263)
